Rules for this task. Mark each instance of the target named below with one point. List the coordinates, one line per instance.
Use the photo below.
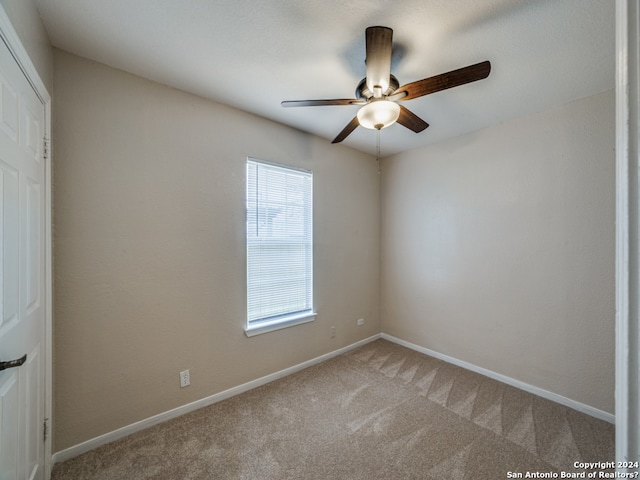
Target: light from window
(279, 246)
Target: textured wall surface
(149, 245)
(498, 249)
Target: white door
(22, 274)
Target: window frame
(285, 320)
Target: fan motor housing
(362, 91)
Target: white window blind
(279, 244)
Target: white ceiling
(252, 54)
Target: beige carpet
(379, 412)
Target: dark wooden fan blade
(411, 120)
(379, 44)
(353, 124)
(443, 81)
(321, 103)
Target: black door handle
(13, 363)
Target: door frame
(13, 42)
(627, 233)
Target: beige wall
(149, 248)
(498, 249)
(27, 23)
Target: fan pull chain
(378, 149)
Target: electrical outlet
(185, 379)
(332, 332)
(360, 322)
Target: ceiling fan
(379, 91)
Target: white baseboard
(96, 442)
(554, 397)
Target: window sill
(266, 327)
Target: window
(279, 247)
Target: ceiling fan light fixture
(379, 89)
(378, 114)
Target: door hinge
(45, 147)
(45, 430)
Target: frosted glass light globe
(378, 114)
